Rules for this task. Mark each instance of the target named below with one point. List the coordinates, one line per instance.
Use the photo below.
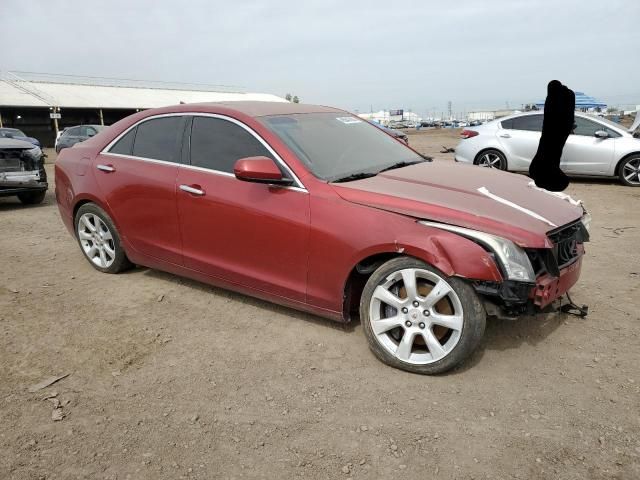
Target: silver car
(596, 147)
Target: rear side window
(72, 132)
(124, 146)
(159, 139)
(532, 123)
(217, 144)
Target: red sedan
(313, 208)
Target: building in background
(42, 104)
(385, 117)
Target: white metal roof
(67, 95)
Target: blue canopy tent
(583, 102)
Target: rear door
(519, 137)
(246, 233)
(586, 154)
(137, 177)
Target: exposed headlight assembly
(513, 259)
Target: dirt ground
(169, 378)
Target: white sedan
(596, 147)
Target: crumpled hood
(483, 199)
(15, 143)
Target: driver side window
(585, 127)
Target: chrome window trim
(105, 151)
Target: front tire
(629, 171)
(491, 159)
(32, 198)
(99, 240)
(417, 319)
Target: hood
(468, 196)
(14, 143)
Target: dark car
(72, 135)
(316, 209)
(22, 171)
(18, 135)
(394, 133)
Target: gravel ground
(170, 378)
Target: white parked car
(596, 147)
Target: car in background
(72, 135)
(595, 147)
(312, 207)
(18, 135)
(22, 172)
(394, 133)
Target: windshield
(11, 132)
(338, 145)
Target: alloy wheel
(96, 240)
(416, 316)
(490, 160)
(631, 171)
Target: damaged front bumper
(12, 183)
(509, 299)
(22, 170)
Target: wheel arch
(470, 261)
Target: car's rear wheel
(99, 239)
(32, 198)
(629, 172)
(491, 159)
(417, 319)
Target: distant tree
(611, 109)
(288, 97)
(296, 99)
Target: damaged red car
(314, 208)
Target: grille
(566, 241)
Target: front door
(586, 154)
(250, 234)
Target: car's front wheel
(99, 239)
(32, 198)
(417, 319)
(492, 159)
(630, 171)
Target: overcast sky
(352, 54)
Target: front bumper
(12, 183)
(549, 288)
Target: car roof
(255, 108)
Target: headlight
(35, 152)
(586, 221)
(513, 259)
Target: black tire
(481, 159)
(473, 324)
(120, 260)
(631, 162)
(32, 198)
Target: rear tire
(629, 171)
(32, 198)
(491, 158)
(99, 240)
(417, 319)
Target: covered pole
(101, 117)
(55, 122)
(0, 119)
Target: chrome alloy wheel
(490, 160)
(416, 316)
(96, 240)
(631, 171)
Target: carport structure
(43, 104)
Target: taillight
(468, 133)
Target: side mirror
(260, 170)
(601, 134)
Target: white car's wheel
(491, 159)
(417, 319)
(630, 171)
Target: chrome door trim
(105, 151)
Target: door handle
(106, 168)
(192, 190)
(505, 135)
